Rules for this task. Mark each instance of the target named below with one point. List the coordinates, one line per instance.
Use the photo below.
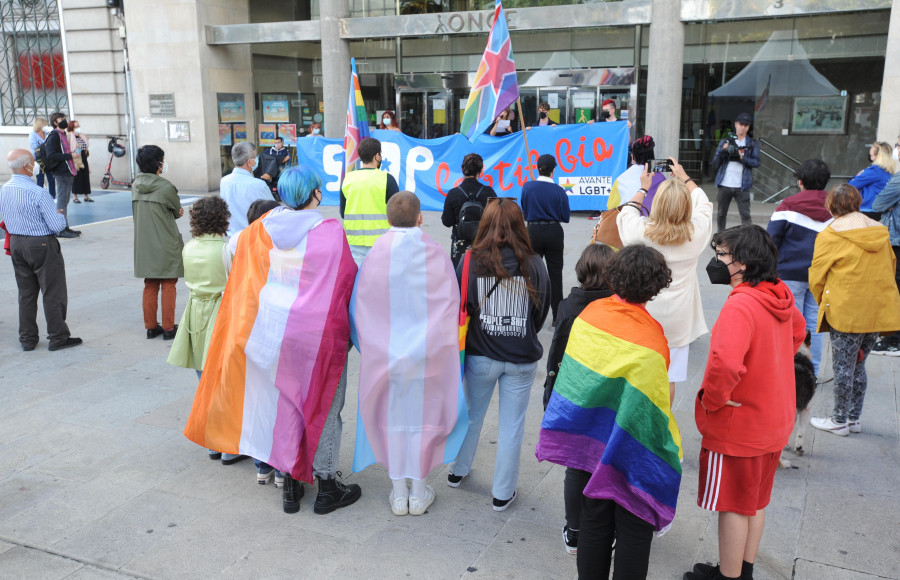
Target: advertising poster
(240, 132)
(231, 111)
(288, 132)
(225, 134)
(275, 111)
(267, 134)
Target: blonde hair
(39, 124)
(670, 217)
(884, 156)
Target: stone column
(889, 115)
(335, 67)
(665, 71)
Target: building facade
(196, 76)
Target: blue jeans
(807, 305)
(515, 380)
(359, 252)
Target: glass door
(442, 114)
(583, 105)
(412, 113)
(557, 98)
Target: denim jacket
(887, 203)
(750, 160)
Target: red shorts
(741, 485)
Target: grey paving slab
(524, 550)
(6, 546)
(287, 552)
(20, 491)
(22, 562)
(806, 570)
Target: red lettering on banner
(501, 167)
(520, 179)
(584, 162)
(566, 161)
(441, 176)
(603, 152)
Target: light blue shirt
(239, 189)
(28, 210)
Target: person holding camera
(736, 156)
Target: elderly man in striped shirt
(33, 222)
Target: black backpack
(470, 216)
(40, 156)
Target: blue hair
(296, 184)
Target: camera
(733, 148)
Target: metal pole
(129, 113)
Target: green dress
(204, 275)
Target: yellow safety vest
(365, 211)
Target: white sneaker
(854, 426)
(828, 424)
(418, 505)
(399, 505)
(279, 479)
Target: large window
(32, 73)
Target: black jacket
(56, 158)
(569, 309)
(457, 196)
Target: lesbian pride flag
(495, 86)
(412, 410)
(609, 412)
(279, 344)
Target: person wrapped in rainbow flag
(609, 416)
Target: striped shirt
(28, 210)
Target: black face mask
(62, 124)
(717, 271)
(543, 115)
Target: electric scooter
(115, 150)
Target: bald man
(33, 222)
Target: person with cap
(545, 204)
(736, 156)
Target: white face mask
(165, 166)
(386, 121)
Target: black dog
(805, 380)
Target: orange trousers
(151, 294)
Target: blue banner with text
(588, 157)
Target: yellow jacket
(365, 213)
(852, 277)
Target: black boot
(333, 495)
(291, 494)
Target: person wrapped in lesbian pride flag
(609, 416)
(412, 410)
(280, 342)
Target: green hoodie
(157, 243)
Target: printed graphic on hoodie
(505, 312)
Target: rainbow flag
(357, 127)
(279, 344)
(763, 98)
(609, 413)
(495, 86)
(412, 410)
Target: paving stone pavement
(97, 481)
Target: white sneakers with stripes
(828, 424)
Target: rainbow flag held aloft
(412, 410)
(495, 86)
(357, 127)
(279, 344)
(609, 413)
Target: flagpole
(525, 135)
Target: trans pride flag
(279, 344)
(357, 127)
(495, 87)
(412, 411)
(609, 413)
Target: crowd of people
(279, 295)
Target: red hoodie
(751, 362)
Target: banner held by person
(590, 157)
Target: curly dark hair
(637, 273)
(209, 215)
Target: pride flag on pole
(495, 87)
(357, 127)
